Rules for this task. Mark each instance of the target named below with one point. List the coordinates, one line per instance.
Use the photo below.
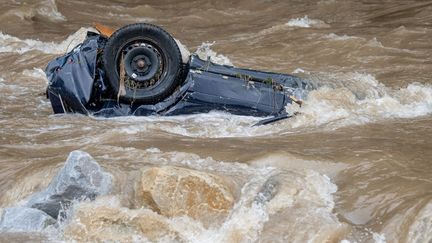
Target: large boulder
(80, 178)
(22, 219)
(175, 191)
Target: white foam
(306, 22)
(244, 223)
(421, 229)
(13, 44)
(378, 238)
(333, 36)
(49, 9)
(37, 73)
(299, 70)
(130, 18)
(373, 42)
(360, 98)
(204, 51)
(44, 9)
(153, 150)
(212, 124)
(185, 53)
(298, 189)
(8, 87)
(52, 128)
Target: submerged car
(140, 70)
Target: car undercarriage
(139, 70)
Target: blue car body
(77, 84)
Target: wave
(49, 9)
(333, 36)
(306, 22)
(13, 44)
(129, 18)
(45, 10)
(205, 52)
(358, 98)
(421, 229)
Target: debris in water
(190, 85)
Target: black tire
(132, 42)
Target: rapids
(353, 166)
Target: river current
(354, 165)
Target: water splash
(356, 98)
(13, 44)
(306, 22)
(185, 53)
(205, 52)
(333, 36)
(28, 12)
(49, 9)
(421, 229)
(298, 189)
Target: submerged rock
(22, 219)
(175, 191)
(267, 192)
(80, 178)
(105, 220)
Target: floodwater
(354, 166)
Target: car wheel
(142, 63)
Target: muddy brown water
(361, 149)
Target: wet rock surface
(24, 219)
(107, 220)
(79, 179)
(302, 198)
(175, 191)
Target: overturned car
(140, 70)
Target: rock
(175, 191)
(267, 192)
(80, 178)
(22, 219)
(105, 220)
